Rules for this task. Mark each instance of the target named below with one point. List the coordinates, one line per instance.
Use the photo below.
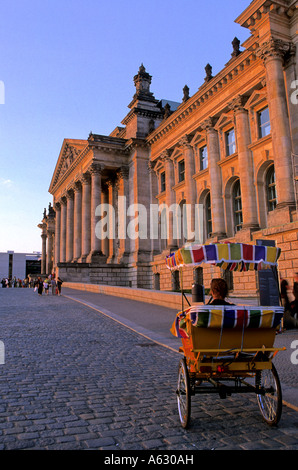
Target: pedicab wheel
(183, 394)
(270, 403)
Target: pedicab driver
(219, 291)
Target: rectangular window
(203, 158)
(264, 122)
(230, 142)
(162, 182)
(181, 171)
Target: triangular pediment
(69, 153)
(197, 138)
(224, 120)
(256, 97)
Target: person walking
(53, 285)
(284, 286)
(39, 286)
(59, 285)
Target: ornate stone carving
(167, 111)
(208, 124)
(185, 94)
(208, 70)
(236, 47)
(123, 173)
(85, 178)
(165, 156)
(237, 104)
(185, 142)
(95, 168)
(276, 48)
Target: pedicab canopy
(228, 256)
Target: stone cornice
(149, 113)
(206, 92)
(259, 8)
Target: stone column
(113, 193)
(57, 233)
(246, 165)
(77, 238)
(190, 187)
(44, 252)
(69, 226)
(154, 189)
(273, 54)
(216, 196)
(50, 235)
(170, 199)
(105, 201)
(63, 231)
(86, 216)
(95, 171)
(123, 195)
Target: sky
(67, 68)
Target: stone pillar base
(216, 236)
(96, 257)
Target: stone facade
(230, 148)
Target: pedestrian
(53, 285)
(291, 314)
(46, 285)
(59, 285)
(284, 287)
(39, 286)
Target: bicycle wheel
(183, 394)
(270, 403)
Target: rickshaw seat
(227, 326)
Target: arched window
(208, 215)
(237, 206)
(271, 189)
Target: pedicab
(228, 349)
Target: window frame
(271, 189)
(181, 174)
(228, 144)
(263, 126)
(162, 181)
(203, 158)
(237, 209)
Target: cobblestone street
(75, 379)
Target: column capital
(85, 178)
(208, 124)
(95, 168)
(77, 187)
(185, 142)
(123, 173)
(238, 103)
(275, 49)
(63, 200)
(69, 193)
(165, 156)
(57, 206)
